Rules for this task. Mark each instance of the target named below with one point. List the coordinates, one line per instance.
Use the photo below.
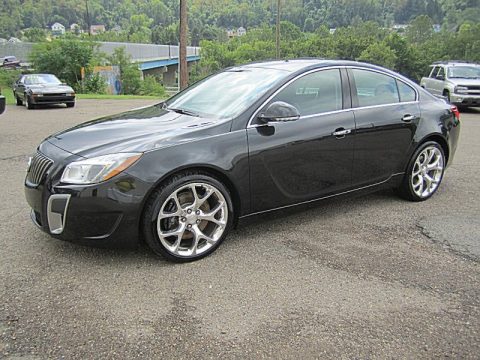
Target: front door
(296, 161)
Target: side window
(441, 72)
(406, 92)
(374, 88)
(434, 71)
(314, 93)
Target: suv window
(374, 88)
(441, 72)
(434, 71)
(314, 93)
(406, 92)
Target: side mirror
(279, 111)
(2, 104)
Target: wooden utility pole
(183, 72)
(88, 18)
(278, 30)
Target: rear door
(386, 114)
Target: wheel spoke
(210, 216)
(416, 172)
(196, 199)
(428, 182)
(431, 154)
(178, 232)
(208, 193)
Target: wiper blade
(183, 111)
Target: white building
(58, 29)
(241, 31)
(97, 29)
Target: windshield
(465, 72)
(46, 79)
(226, 94)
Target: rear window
(374, 88)
(407, 93)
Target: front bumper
(52, 99)
(105, 214)
(465, 99)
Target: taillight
(455, 111)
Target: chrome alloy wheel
(192, 219)
(427, 171)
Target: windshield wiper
(183, 111)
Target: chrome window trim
(250, 125)
(387, 74)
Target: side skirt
(393, 181)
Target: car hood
(465, 82)
(50, 88)
(137, 130)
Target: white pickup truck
(458, 82)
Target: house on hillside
(97, 29)
(400, 28)
(58, 29)
(76, 29)
(241, 31)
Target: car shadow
(142, 255)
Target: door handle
(408, 118)
(341, 132)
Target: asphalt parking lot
(366, 277)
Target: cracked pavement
(361, 277)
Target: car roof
(455, 63)
(304, 64)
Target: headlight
(98, 169)
(37, 94)
(461, 89)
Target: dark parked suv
(244, 141)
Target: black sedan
(42, 89)
(244, 141)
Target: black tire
(19, 101)
(28, 103)
(160, 196)
(406, 189)
(70, 104)
(446, 93)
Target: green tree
(129, 72)
(420, 30)
(65, 57)
(35, 35)
(379, 54)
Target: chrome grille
(38, 167)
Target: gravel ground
(366, 277)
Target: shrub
(151, 86)
(94, 84)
